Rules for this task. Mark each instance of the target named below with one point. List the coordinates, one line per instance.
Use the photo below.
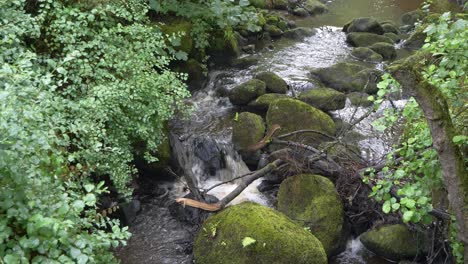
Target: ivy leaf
(247, 241)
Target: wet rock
(191, 214)
(299, 33)
(246, 92)
(315, 7)
(274, 31)
(364, 39)
(274, 83)
(387, 51)
(412, 17)
(276, 239)
(312, 200)
(325, 99)
(196, 73)
(280, 4)
(366, 54)
(396, 38)
(389, 27)
(416, 40)
(292, 115)
(359, 99)
(129, 211)
(367, 79)
(395, 242)
(365, 24)
(301, 12)
(292, 24)
(250, 49)
(266, 186)
(245, 62)
(247, 130)
(207, 150)
(263, 102)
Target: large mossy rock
(390, 27)
(277, 238)
(246, 92)
(364, 39)
(325, 99)
(395, 242)
(273, 30)
(365, 24)
(387, 50)
(348, 77)
(247, 130)
(274, 83)
(301, 12)
(315, 7)
(292, 115)
(366, 54)
(263, 102)
(416, 40)
(313, 201)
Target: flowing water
(202, 144)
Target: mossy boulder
(364, 39)
(410, 18)
(313, 201)
(366, 54)
(246, 92)
(315, 7)
(396, 38)
(280, 4)
(416, 40)
(387, 50)
(274, 83)
(347, 77)
(244, 62)
(273, 30)
(395, 242)
(365, 24)
(389, 27)
(299, 33)
(325, 99)
(247, 130)
(301, 12)
(263, 102)
(277, 239)
(359, 99)
(292, 115)
(180, 26)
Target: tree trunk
(436, 111)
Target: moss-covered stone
(364, 39)
(277, 238)
(283, 25)
(359, 99)
(366, 81)
(389, 27)
(280, 4)
(299, 33)
(325, 99)
(274, 83)
(247, 131)
(366, 54)
(301, 12)
(313, 201)
(244, 62)
(395, 242)
(387, 50)
(246, 92)
(292, 115)
(180, 26)
(273, 30)
(416, 40)
(396, 38)
(365, 24)
(315, 7)
(263, 102)
(412, 17)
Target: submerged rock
(365, 24)
(325, 99)
(366, 54)
(387, 51)
(246, 92)
(263, 102)
(313, 201)
(364, 39)
(299, 33)
(273, 82)
(274, 238)
(395, 242)
(292, 115)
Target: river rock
(416, 40)
(274, 238)
(301, 12)
(313, 201)
(359, 99)
(365, 24)
(396, 38)
(348, 77)
(223, 48)
(259, 3)
(196, 73)
(292, 115)
(244, 62)
(263, 102)
(325, 99)
(273, 30)
(364, 39)
(412, 17)
(366, 54)
(207, 150)
(246, 92)
(247, 130)
(274, 83)
(315, 7)
(387, 51)
(395, 242)
(280, 4)
(299, 33)
(389, 27)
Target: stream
(202, 143)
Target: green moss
(274, 83)
(395, 242)
(263, 102)
(366, 54)
(186, 42)
(313, 201)
(364, 39)
(294, 115)
(393, 36)
(325, 99)
(248, 130)
(220, 46)
(246, 92)
(390, 27)
(387, 50)
(277, 239)
(365, 24)
(273, 30)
